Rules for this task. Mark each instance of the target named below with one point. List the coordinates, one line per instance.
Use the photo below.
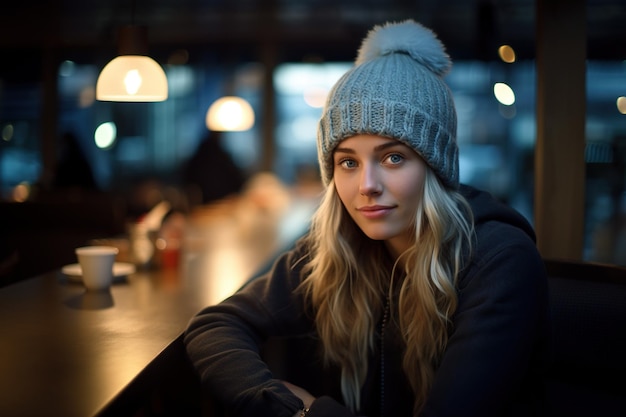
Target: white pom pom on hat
(395, 89)
(408, 37)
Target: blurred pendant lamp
(230, 114)
(133, 75)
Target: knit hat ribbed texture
(395, 89)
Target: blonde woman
(417, 296)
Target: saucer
(120, 270)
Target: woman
(425, 297)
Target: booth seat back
(587, 370)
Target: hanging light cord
(133, 8)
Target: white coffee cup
(96, 263)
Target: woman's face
(380, 182)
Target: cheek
(342, 186)
(412, 187)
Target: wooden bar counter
(70, 353)
(67, 352)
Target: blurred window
(496, 140)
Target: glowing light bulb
(132, 81)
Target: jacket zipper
(383, 325)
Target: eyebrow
(390, 144)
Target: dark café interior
(210, 171)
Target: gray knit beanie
(395, 89)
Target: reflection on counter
(232, 239)
(228, 240)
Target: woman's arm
(223, 343)
(304, 395)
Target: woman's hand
(301, 393)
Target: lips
(375, 212)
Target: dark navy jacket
(492, 365)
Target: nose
(369, 183)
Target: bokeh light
(504, 94)
(105, 135)
(621, 104)
(507, 54)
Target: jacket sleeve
(497, 329)
(223, 343)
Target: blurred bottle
(144, 236)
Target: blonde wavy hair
(350, 277)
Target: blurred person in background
(73, 169)
(210, 174)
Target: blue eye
(395, 158)
(347, 163)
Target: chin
(377, 234)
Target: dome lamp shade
(132, 75)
